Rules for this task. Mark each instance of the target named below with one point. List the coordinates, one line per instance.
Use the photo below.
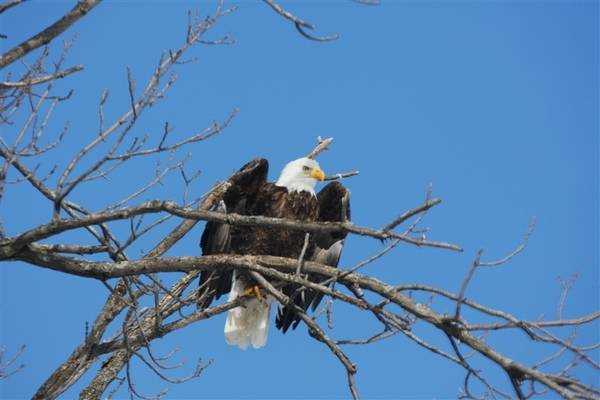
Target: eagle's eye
(305, 168)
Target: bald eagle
(292, 196)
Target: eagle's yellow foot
(254, 291)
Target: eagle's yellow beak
(317, 174)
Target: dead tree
(153, 309)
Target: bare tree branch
(300, 24)
(9, 4)
(314, 330)
(478, 263)
(289, 266)
(9, 246)
(411, 213)
(8, 367)
(322, 145)
(43, 79)
(48, 34)
(81, 360)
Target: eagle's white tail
(247, 325)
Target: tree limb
(41, 79)
(48, 34)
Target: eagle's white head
(301, 174)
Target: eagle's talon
(257, 293)
(254, 291)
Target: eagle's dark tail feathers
(286, 316)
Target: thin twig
(410, 213)
(41, 79)
(322, 145)
(300, 24)
(342, 175)
(302, 254)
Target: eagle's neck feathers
(298, 185)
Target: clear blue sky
(494, 103)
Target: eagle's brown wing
(325, 248)
(334, 206)
(216, 238)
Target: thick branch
(48, 34)
(11, 246)
(253, 263)
(9, 4)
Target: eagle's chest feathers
(276, 202)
